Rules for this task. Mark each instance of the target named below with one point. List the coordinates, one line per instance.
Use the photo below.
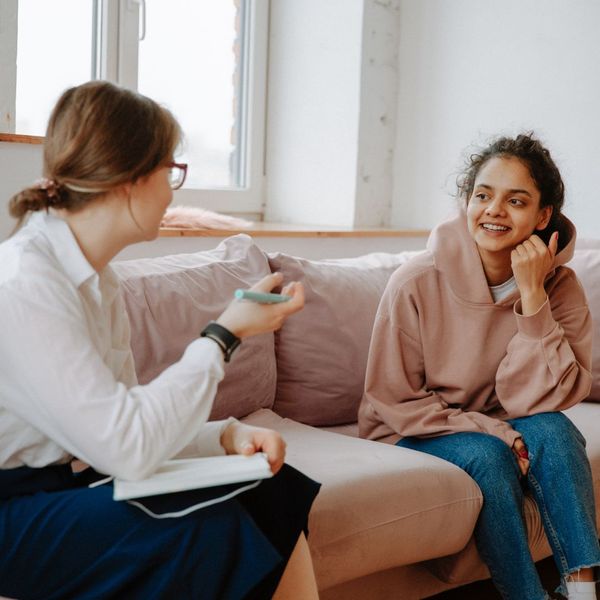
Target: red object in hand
(523, 453)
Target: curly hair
(542, 168)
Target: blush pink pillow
(322, 350)
(169, 301)
(586, 264)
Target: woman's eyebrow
(518, 191)
(511, 191)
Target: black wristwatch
(223, 337)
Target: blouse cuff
(537, 325)
(208, 440)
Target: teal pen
(261, 297)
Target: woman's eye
(481, 196)
(516, 202)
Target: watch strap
(226, 340)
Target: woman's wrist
(223, 337)
(531, 302)
(227, 434)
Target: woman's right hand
(520, 450)
(240, 438)
(245, 318)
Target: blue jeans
(560, 481)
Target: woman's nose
(495, 207)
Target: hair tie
(49, 186)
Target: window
(44, 67)
(203, 59)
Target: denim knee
(552, 428)
(495, 466)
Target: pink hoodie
(444, 358)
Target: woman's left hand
(522, 455)
(239, 438)
(530, 262)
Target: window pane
(54, 51)
(188, 61)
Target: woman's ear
(544, 217)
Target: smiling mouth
(492, 227)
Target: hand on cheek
(531, 261)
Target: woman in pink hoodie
(477, 346)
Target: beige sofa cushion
(379, 506)
(466, 566)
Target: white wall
(332, 99)
(313, 110)
(377, 119)
(469, 69)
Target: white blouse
(67, 382)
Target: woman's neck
(496, 266)
(101, 230)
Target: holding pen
(261, 297)
(262, 310)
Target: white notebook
(178, 475)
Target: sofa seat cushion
(586, 417)
(171, 299)
(379, 506)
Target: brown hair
(99, 136)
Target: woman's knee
(486, 458)
(491, 464)
(552, 430)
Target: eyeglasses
(177, 173)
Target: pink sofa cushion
(380, 506)
(586, 264)
(322, 350)
(170, 299)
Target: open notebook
(179, 475)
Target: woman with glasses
(68, 387)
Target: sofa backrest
(586, 264)
(313, 369)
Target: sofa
(388, 522)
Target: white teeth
(494, 227)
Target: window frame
(116, 33)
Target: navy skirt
(61, 539)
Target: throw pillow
(586, 264)
(322, 351)
(171, 298)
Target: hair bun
(30, 199)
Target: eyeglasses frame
(183, 167)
